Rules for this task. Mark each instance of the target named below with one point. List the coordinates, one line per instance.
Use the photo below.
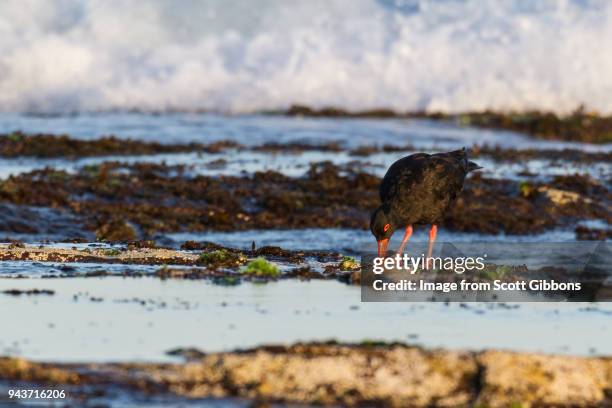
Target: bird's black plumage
(419, 189)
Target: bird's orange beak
(382, 247)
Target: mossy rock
(259, 267)
(221, 258)
(112, 252)
(526, 189)
(349, 263)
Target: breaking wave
(244, 56)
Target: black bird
(418, 189)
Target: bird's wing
(448, 171)
(402, 172)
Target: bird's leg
(407, 236)
(432, 238)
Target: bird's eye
(386, 227)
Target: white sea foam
(238, 56)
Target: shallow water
(424, 135)
(343, 240)
(354, 241)
(237, 163)
(127, 319)
(258, 129)
(142, 318)
(27, 269)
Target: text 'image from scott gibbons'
(490, 272)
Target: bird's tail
(467, 164)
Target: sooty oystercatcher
(418, 189)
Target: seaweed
(349, 264)
(47, 145)
(260, 267)
(221, 258)
(127, 202)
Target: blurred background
(239, 56)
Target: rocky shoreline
(121, 202)
(47, 145)
(196, 261)
(387, 375)
(126, 202)
(579, 125)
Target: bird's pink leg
(432, 238)
(407, 236)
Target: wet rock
(580, 125)
(364, 151)
(479, 208)
(38, 221)
(200, 246)
(332, 374)
(116, 231)
(17, 369)
(592, 234)
(215, 262)
(304, 273)
(217, 164)
(577, 126)
(302, 110)
(582, 184)
(273, 252)
(187, 353)
(141, 244)
(559, 197)
(296, 147)
(369, 150)
(28, 292)
(221, 145)
(19, 144)
(157, 199)
(513, 155)
(355, 278)
(540, 380)
(142, 256)
(16, 244)
(221, 258)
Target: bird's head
(382, 228)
